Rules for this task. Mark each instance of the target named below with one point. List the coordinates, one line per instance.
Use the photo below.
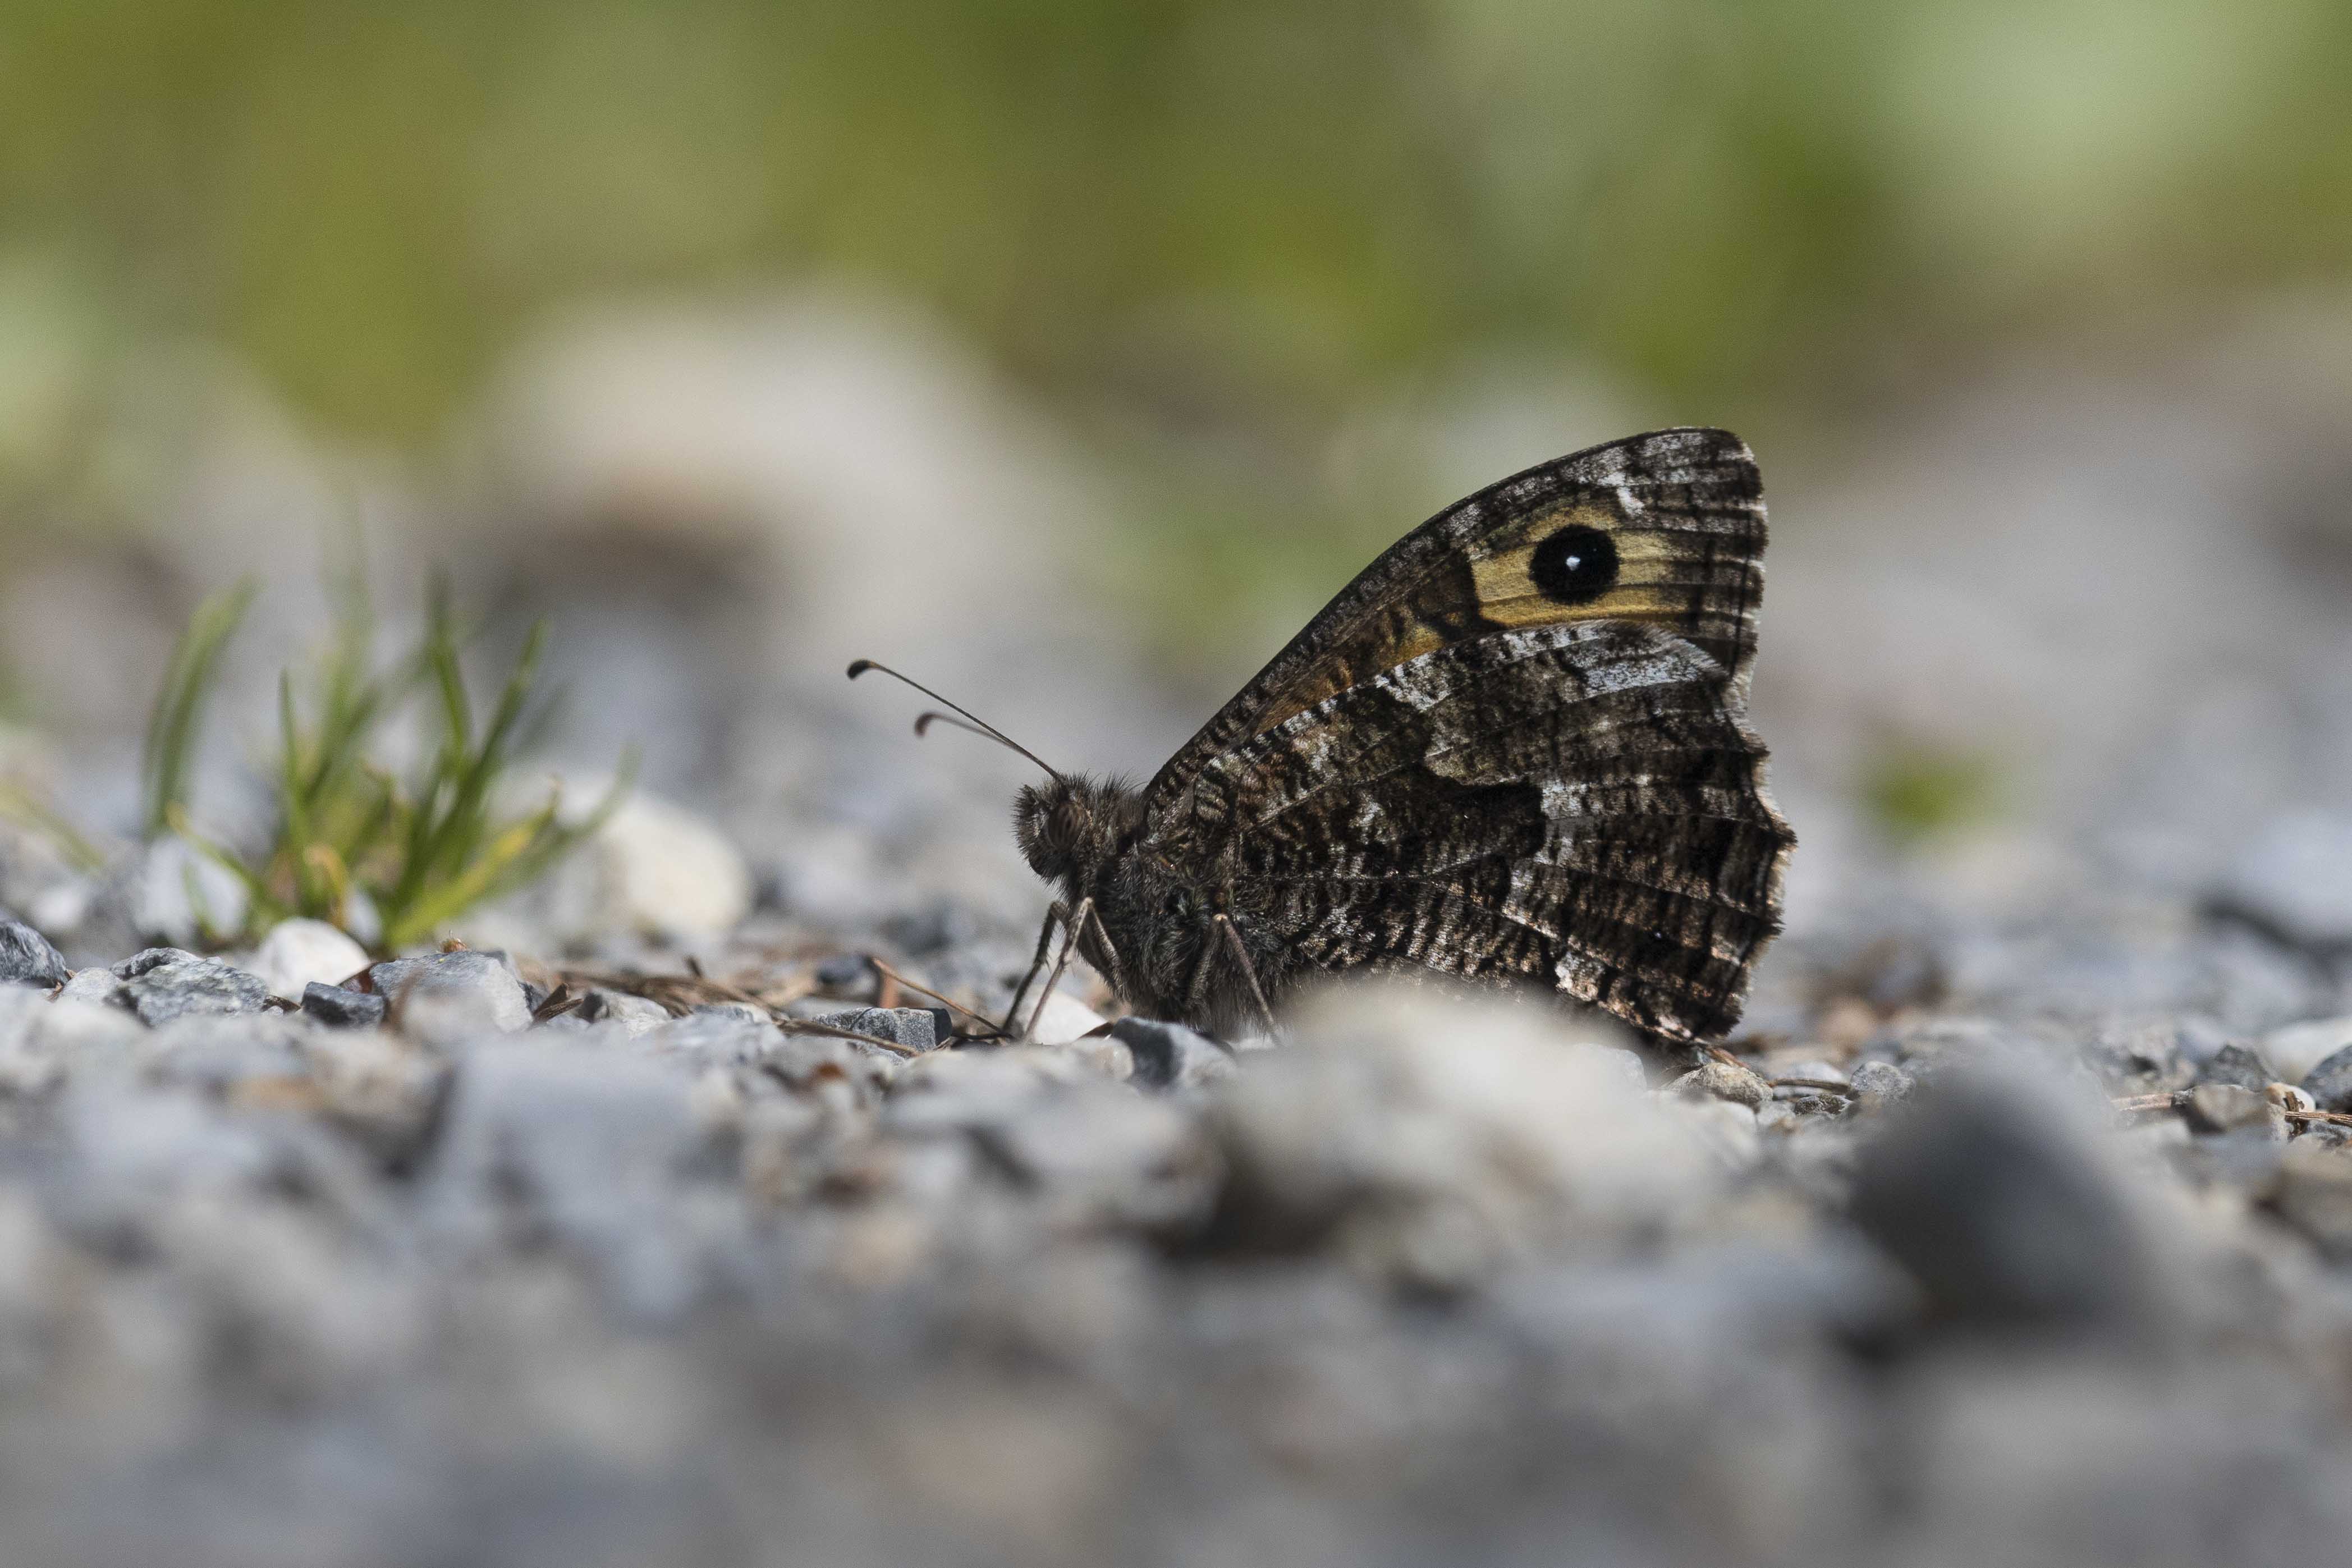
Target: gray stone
(740, 1011)
(342, 1009)
(135, 1147)
(593, 1147)
(846, 971)
(2296, 1049)
(1722, 1081)
(260, 1058)
(26, 958)
(297, 953)
(1169, 1056)
(1994, 1199)
(2330, 1083)
(914, 1029)
(653, 869)
(638, 1014)
(1103, 1153)
(1428, 1139)
(2241, 1065)
(97, 986)
(961, 1091)
(25, 1068)
(163, 983)
(458, 991)
(717, 1037)
(2227, 1108)
(1878, 1085)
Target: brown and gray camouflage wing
(1665, 528)
(1580, 807)
(1515, 748)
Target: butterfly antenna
(967, 719)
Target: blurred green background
(1231, 293)
(1156, 210)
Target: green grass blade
(178, 712)
(28, 810)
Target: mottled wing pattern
(1580, 806)
(1663, 530)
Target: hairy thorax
(1145, 928)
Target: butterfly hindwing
(1576, 804)
(1663, 529)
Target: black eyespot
(1574, 567)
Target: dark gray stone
(2330, 1083)
(846, 971)
(1998, 1208)
(165, 983)
(910, 1028)
(343, 1009)
(140, 963)
(2241, 1065)
(26, 958)
(926, 931)
(1169, 1056)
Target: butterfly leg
(1197, 991)
(1249, 972)
(1110, 951)
(1053, 912)
(1072, 925)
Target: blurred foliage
(349, 842)
(178, 716)
(421, 855)
(1256, 208)
(1913, 792)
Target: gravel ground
(1912, 1279)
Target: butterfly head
(1073, 825)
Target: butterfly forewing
(1665, 529)
(1516, 748)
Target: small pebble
(343, 1009)
(26, 958)
(2241, 1065)
(1169, 1056)
(914, 1029)
(1722, 1081)
(297, 953)
(2330, 1083)
(163, 983)
(1877, 1085)
(463, 990)
(2225, 1106)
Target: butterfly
(1514, 751)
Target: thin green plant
(424, 854)
(349, 841)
